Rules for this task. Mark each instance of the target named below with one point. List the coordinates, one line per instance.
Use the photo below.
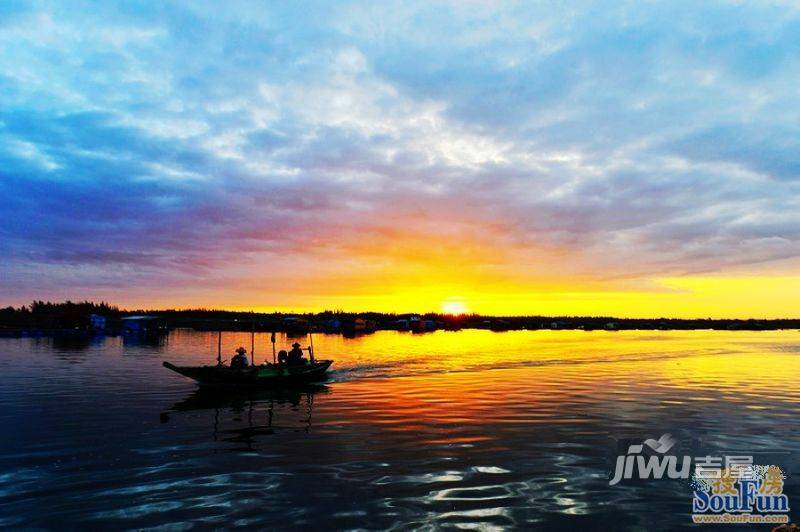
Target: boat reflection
(242, 416)
(154, 340)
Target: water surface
(468, 429)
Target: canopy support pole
(219, 348)
(253, 345)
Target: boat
(267, 375)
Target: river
(468, 429)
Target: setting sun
(454, 307)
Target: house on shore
(97, 322)
(143, 325)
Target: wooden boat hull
(255, 376)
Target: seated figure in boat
(295, 356)
(240, 359)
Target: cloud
(185, 146)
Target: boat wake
(413, 368)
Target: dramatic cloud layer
(364, 154)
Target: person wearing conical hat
(240, 359)
(295, 355)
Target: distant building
(97, 322)
(332, 326)
(295, 325)
(143, 324)
(417, 324)
(359, 326)
(401, 325)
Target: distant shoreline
(83, 318)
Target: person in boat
(295, 357)
(240, 358)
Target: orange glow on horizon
(458, 278)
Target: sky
(604, 158)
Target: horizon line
(396, 313)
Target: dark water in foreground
(467, 429)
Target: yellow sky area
(415, 274)
(682, 297)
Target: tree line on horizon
(70, 315)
